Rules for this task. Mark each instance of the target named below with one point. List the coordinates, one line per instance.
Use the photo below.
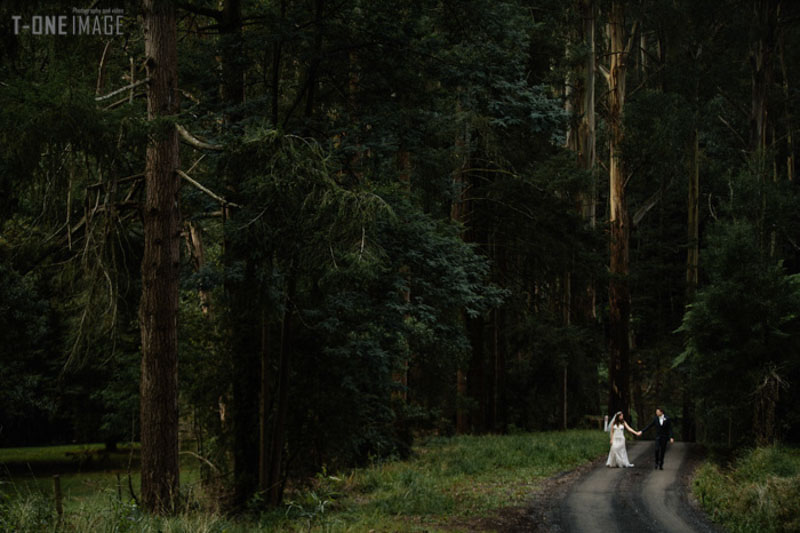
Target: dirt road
(638, 499)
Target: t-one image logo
(106, 21)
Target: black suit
(663, 435)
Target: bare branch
(118, 91)
(197, 143)
(645, 80)
(733, 103)
(733, 130)
(121, 180)
(124, 100)
(650, 204)
(629, 46)
(190, 96)
(200, 457)
(604, 71)
(102, 68)
(205, 189)
(196, 163)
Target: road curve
(638, 499)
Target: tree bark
(581, 139)
(693, 237)
(618, 288)
(400, 375)
(158, 311)
(587, 137)
(275, 493)
(762, 54)
(276, 70)
(265, 406)
(790, 157)
(458, 213)
(232, 87)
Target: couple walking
(618, 455)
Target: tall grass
(448, 481)
(759, 493)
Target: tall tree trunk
(276, 69)
(762, 54)
(458, 213)
(693, 207)
(246, 345)
(587, 137)
(231, 46)
(274, 481)
(264, 407)
(618, 289)
(581, 138)
(400, 375)
(790, 156)
(158, 311)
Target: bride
(618, 455)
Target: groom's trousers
(661, 448)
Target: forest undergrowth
(447, 483)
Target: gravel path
(638, 499)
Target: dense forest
(287, 234)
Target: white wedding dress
(618, 455)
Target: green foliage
(362, 130)
(760, 492)
(742, 325)
(447, 480)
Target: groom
(663, 434)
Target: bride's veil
(611, 421)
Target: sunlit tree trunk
(581, 139)
(158, 311)
(587, 136)
(619, 299)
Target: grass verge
(760, 492)
(448, 483)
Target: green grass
(758, 493)
(447, 483)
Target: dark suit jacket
(663, 431)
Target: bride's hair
(617, 420)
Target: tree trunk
(194, 246)
(158, 311)
(458, 213)
(790, 157)
(693, 237)
(618, 289)
(274, 481)
(400, 375)
(582, 140)
(246, 343)
(231, 45)
(587, 137)
(762, 54)
(276, 69)
(264, 406)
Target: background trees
(396, 219)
